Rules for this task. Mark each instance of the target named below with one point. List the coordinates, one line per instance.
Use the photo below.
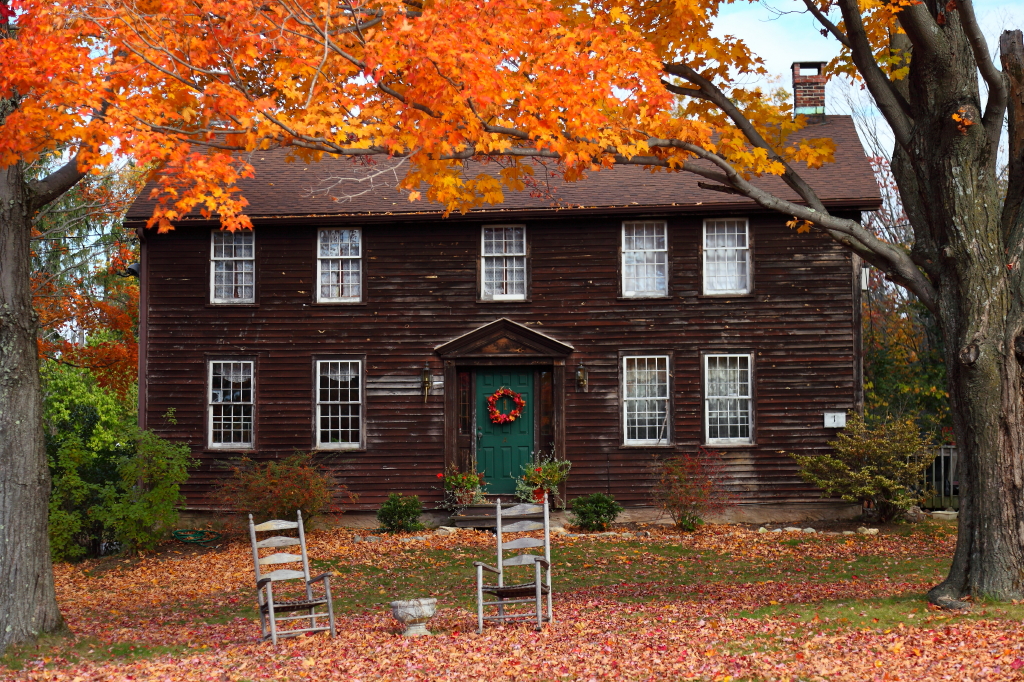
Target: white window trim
(358, 445)
(750, 398)
(320, 259)
(667, 439)
(622, 258)
(483, 258)
(209, 406)
(704, 262)
(213, 275)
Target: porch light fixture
(427, 380)
(582, 378)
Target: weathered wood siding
(421, 291)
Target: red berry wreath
(492, 406)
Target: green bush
(400, 514)
(275, 489)
(594, 512)
(882, 464)
(114, 486)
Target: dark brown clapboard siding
(421, 291)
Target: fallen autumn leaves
(664, 624)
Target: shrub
(114, 486)
(277, 488)
(690, 487)
(400, 513)
(883, 465)
(594, 512)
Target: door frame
(502, 343)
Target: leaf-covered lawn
(718, 604)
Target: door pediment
(504, 338)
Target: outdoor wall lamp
(427, 380)
(582, 378)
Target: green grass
(57, 650)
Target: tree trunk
(950, 189)
(28, 603)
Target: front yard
(725, 603)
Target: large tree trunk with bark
(972, 252)
(28, 604)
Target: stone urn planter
(414, 614)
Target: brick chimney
(809, 90)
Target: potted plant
(545, 475)
(461, 488)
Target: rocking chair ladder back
(269, 606)
(538, 591)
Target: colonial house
(634, 313)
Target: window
(339, 266)
(726, 257)
(233, 267)
(231, 404)
(727, 398)
(504, 263)
(644, 259)
(645, 405)
(339, 402)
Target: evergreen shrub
(594, 512)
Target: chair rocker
(272, 607)
(538, 590)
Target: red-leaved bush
(276, 489)
(690, 487)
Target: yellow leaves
(801, 226)
(964, 119)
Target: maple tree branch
(893, 106)
(829, 26)
(995, 108)
(55, 184)
(714, 95)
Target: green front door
(503, 449)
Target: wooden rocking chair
(538, 590)
(268, 606)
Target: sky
(781, 39)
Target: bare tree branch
(55, 184)
(1011, 49)
(892, 105)
(997, 86)
(829, 26)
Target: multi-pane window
(504, 263)
(233, 267)
(727, 398)
(339, 266)
(231, 404)
(726, 257)
(644, 259)
(338, 403)
(645, 402)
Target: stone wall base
(742, 513)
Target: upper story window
(727, 401)
(339, 403)
(726, 256)
(232, 267)
(231, 404)
(339, 266)
(644, 259)
(504, 263)
(646, 401)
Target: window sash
(503, 250)
(230, 404)
(727, 398)
(232, 267)
(644, 259)
(339, 266)
(726, 256)
(645, 402)
(339, 404)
